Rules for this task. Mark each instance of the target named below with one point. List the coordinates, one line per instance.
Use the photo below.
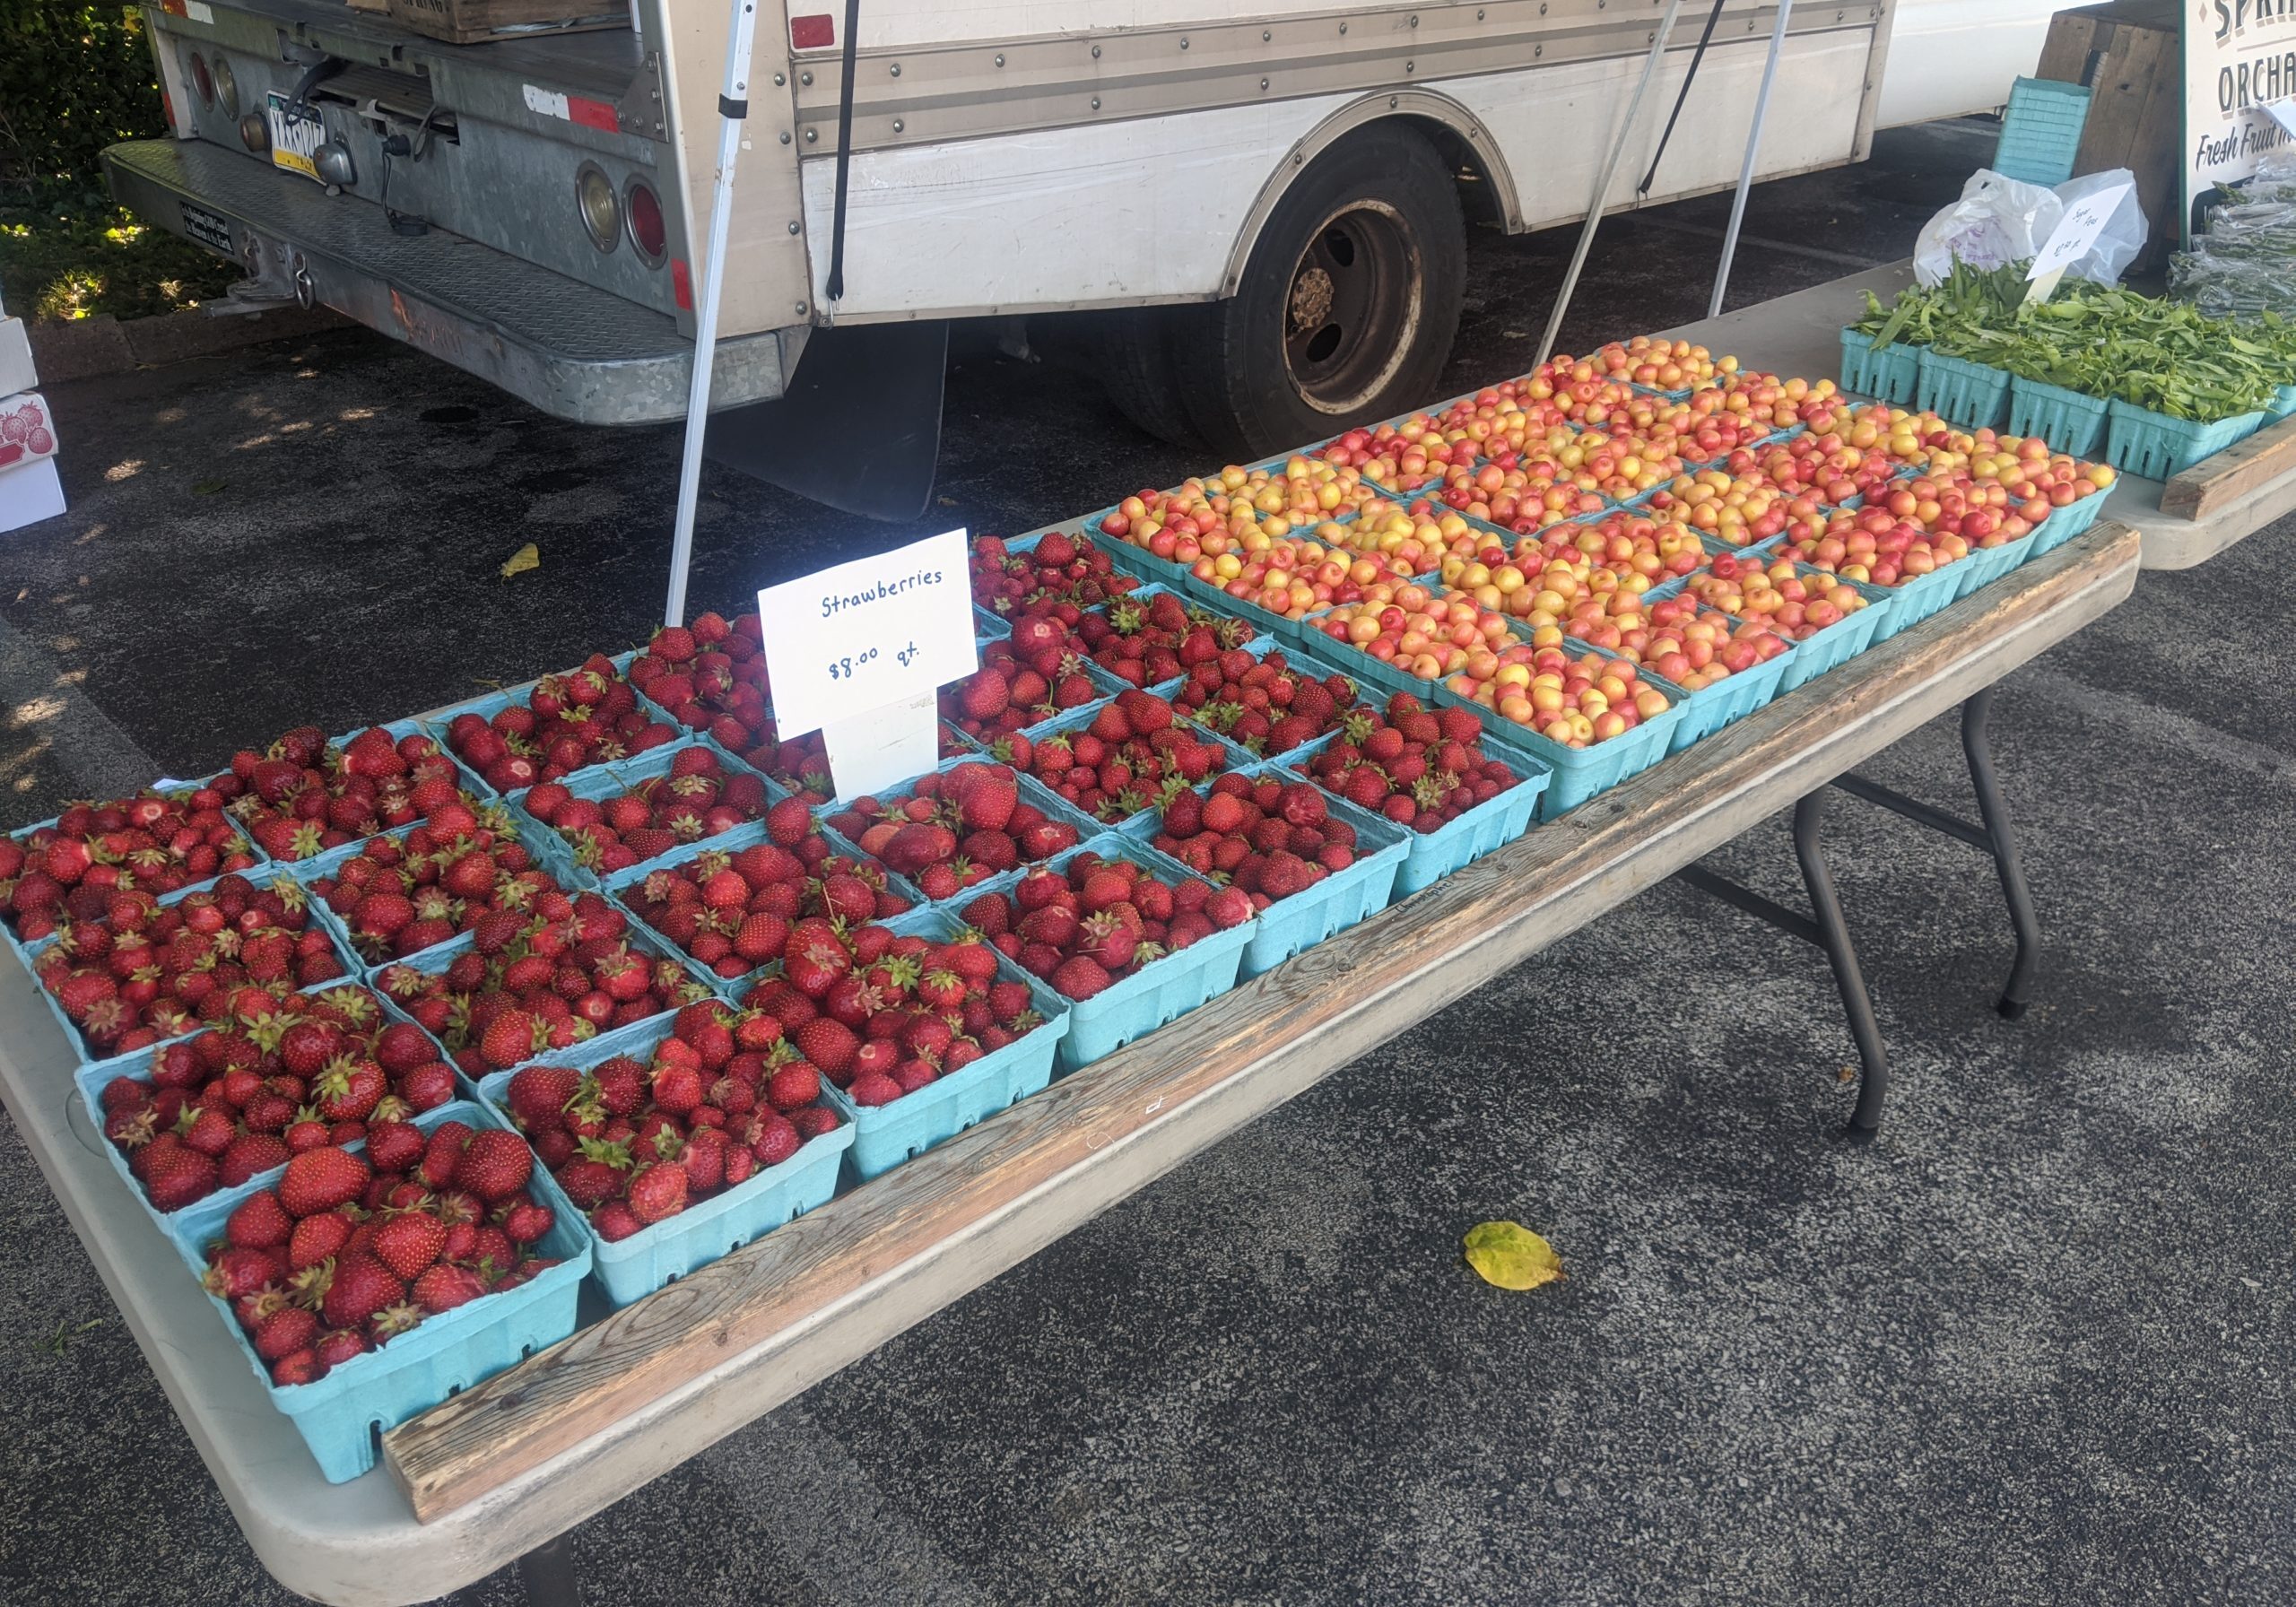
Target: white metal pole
(1602, 185)
(733, 111)
(1753, 149)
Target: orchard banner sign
(2239, 61)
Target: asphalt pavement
(2031, 1347)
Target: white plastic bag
(1997, 221)
(2122, 237)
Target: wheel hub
(1354, 305)
(1311, 296)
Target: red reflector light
(646, 230)
(811, 33)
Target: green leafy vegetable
(2167, 356)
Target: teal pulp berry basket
(1298, 664)
(1292, 925)
(1030, 791)
(885, 1135)
(1159, 992)
(1231, 756)
(1834, 645)
(92, 1080)
(1915, 600)
(2140, 441)
(2068, 522)
(1826, 648)
(600, 782)
(1964, 393)
(341, 1416)
(1077, 533)
(1729, 699)
(2068, 421)
(437, 723)
(631, 1268)
(1889, 373)
(1429, 856)
(1137, 562)
(1581, 773)
(2040, 131)
(643, 941)
(726, 987)
(1986, 565)
(253, 872)
(354, 972)
(303, 873)
(1361, 667)
(473, 786)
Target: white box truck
(1259, 206)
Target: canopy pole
(1602, 185)
(1753, 149)
(733, 112)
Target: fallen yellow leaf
(528, 557)
(1512, 1256)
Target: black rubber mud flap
(860, 427)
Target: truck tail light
(200, 81)
(646, 230)
(226, 88)
(601, 208)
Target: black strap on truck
(1688, 78)
(836, 285)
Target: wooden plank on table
(2219, 481)
(1345, 996)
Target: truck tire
(1347, 305)
(1133, 354)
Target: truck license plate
(296, 132)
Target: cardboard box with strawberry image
(29, 489)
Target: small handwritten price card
(857, 652)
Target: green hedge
(72, 79)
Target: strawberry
(537, 1094)
(793, 1086)
(407, 1242)
(284, 1332)
(258, 1222)
(322, 1179)
(444, 1286)
(180, 1177)
(247, 1156)
(236, 1272)
(360, 1287)
(827, 1044)
(656, 1193)
(1081, 978)
(509, 1039)
(317, 1238)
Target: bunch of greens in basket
(2169, 357)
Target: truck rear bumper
(570, 349)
